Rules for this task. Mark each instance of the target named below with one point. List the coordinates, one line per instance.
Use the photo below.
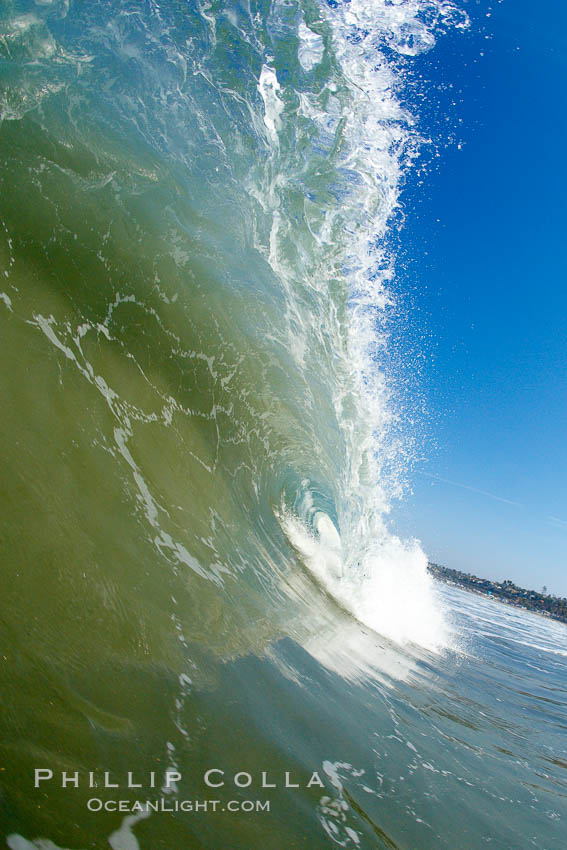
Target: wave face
(202, 442)
(197, 264)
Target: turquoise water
(202, 435)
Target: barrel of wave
(385, 584)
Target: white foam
(311, 48)
(18, 842)
(268, 86)
(388, 589)
(123, 838)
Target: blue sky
(483, 255)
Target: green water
(200, 443)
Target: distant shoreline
(552, 607)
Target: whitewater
(204, 434)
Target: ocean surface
(202, 434)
